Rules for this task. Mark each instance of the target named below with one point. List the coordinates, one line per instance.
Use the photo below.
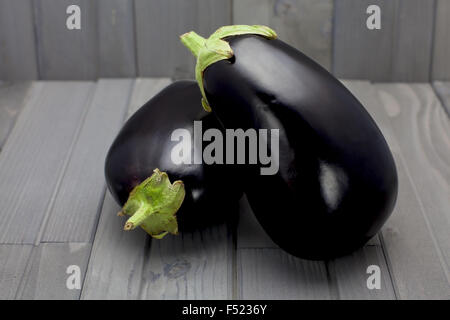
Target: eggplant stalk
(152, 205)
(213, 49)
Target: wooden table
(55, 211)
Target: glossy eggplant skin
(144, 143)
(337, 180)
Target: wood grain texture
(264, 271)
(414, 244)
(66, 54)
(360, 53)
(350, 274)
(441, 48)
(13, 96)
(74, 214)
(412, 41)
(274, 274)
(190, 266)
(304, 24)
(35, 154)
(400, 51)
(416, 264)
(159, 25)
(427, 150)
(13, 264)
(46, 276)
(442, 90)
(17, 41)
(117, 258)
(116, 38)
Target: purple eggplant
(337, 182)
(139, 168)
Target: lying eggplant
(337, 182)
(140, 162)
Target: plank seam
(388, 266)
(433, 34)
(425, 216)
(36, 25)
(136, 62)
(102, 202)
(394, 42)
(333, 36)
(100, 205)
(145, 263)
(27, 270)
(35, 39)
(36, 93)
(97, 40)
(63, 170)
(332, 280)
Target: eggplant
(139, 168)
(336, 182)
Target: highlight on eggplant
(337, 180)
(139, 168)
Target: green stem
(193, 42)
(214, 49)
(153, 205)
(138, 217)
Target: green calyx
(153, 205)
(213, 49)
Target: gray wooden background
(139, 38)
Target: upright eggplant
(337, 182)
(140, 162)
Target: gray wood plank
(413, 243)
(350, 274)
(116, 38)
(66, 54)
(34, 157)
(17, 41)
(304, 24)
(443, 92)
(159, 25)
(46, 276)
(74, 214)
(13, 96)
(426, 146)
(360, 53)
(441, 48)
(117, 259)
(416, 263)
(412, 41)
(400, 51)
(13, 263)
(264, 271)
(190, 266)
